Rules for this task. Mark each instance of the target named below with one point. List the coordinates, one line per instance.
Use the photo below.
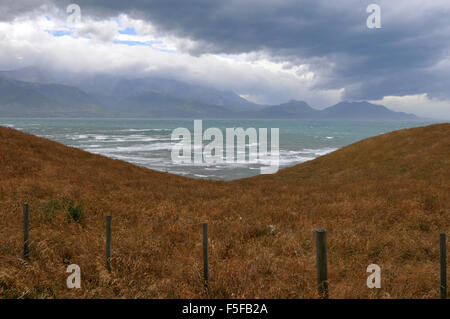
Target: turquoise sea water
(148, 142)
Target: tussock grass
(383, 200)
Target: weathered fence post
(26, 221)
(205, 256)
(108, 242)
(321, 261)
(443, 261)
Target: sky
(267, 51)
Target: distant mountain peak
(364, 110)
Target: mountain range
(31, 92)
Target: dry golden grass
(383, 200)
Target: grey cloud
(10, 9)
(331, 36)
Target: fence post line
(321, 261)
(443, 262)
(108, 242)
(205, 256)
(26, 222)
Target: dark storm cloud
(331, 36)
(9, 9)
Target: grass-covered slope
(383, 200)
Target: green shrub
(73, 210)
(50, 209)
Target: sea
(148, 142)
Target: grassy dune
(383, 200)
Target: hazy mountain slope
(363, 110)
(112, 89)
(161, 105)
(22, 99)
(383, 200)
(65, 95)
(125, 88)
(31, 74)
(291, 109)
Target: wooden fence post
(26, 221)
(321, 261)
(108, 242)
(443, 262)
(205, 256)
